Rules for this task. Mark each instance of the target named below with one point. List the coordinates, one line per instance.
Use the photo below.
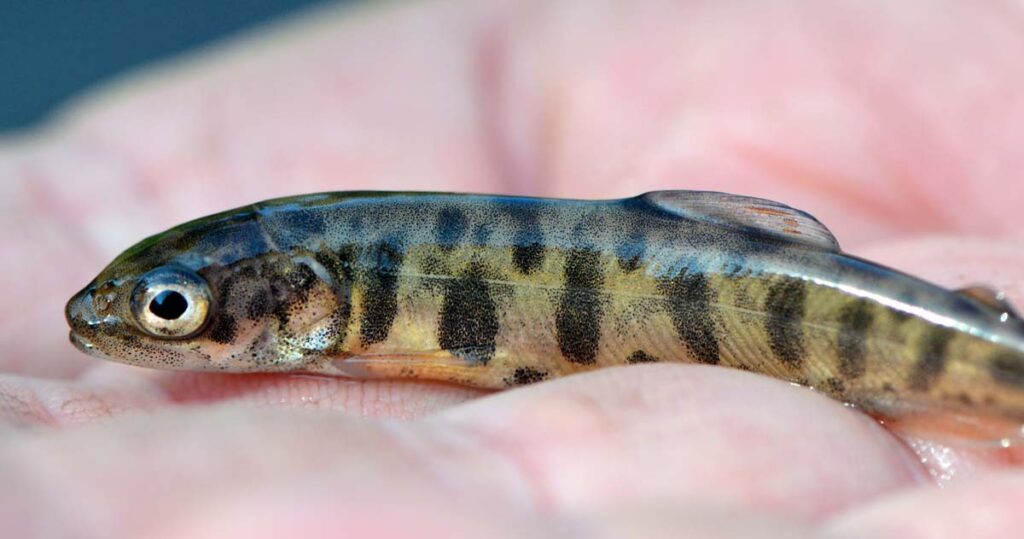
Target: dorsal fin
(990, 297)
(772, 219)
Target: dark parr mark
(578, 317)
(689, 299)
(1008, 368)
(527, 258)
(932, 358)
(223, 329)
(380, 305)
(784, 311)
(630, 253)
(528, 242)
(525, 375)
(641, 357)
(451, 227)
(854, 321)
(468, 322)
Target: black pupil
(168, 305)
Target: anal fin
(958, 430)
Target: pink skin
(898, 124)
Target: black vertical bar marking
(932, 359)
(452, 225)
(380, 303)
(223, 329)
(784, 314)
(689, 300)
(854, 321)
(578, 317)
(468, 323)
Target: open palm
(897, 124)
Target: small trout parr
(497, 291)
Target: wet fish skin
(495, 291)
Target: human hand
(896, 125)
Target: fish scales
(495, 291)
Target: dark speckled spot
(690, 304)
(784, 309)
(223, 329)
(932, 358)
(300, 280)
(468, 322)
(339, 264)
(528, 240)
(302, 223)
(630, 253)
(525, 375)
(482, 234)
(527, 258)
(452, 225)
(854, 321)
(640, 356)
(258, 306)
(578, 317)
(380, 305)
(834, 386)
(1007, 368)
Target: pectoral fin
(437, 365)
(955, 429)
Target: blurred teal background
(52, 49)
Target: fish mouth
(82, 318)
(82, 343)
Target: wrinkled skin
(896, 123)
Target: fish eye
(171, 302)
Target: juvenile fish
(496, 291)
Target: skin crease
(895, 123)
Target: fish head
(209, 295)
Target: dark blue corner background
(52, 49)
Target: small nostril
(79, 309)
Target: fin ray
(766, 217)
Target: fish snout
(80, 313)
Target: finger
(692, 435)
(985, 507)
(715, 441)
(118, 391)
